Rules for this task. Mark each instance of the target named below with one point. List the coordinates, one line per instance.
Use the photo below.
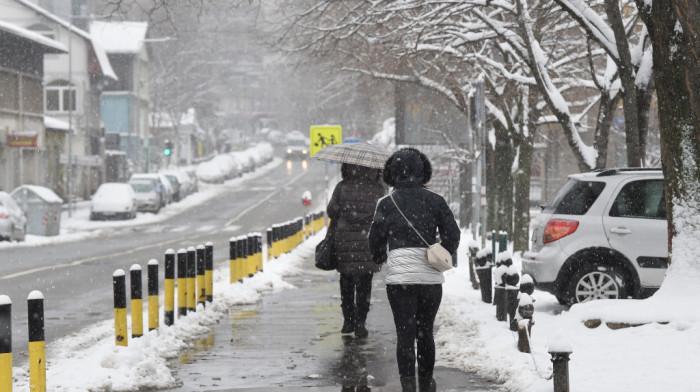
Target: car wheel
(596, 282)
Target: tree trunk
(503, 164)
(521, 210)
(524, 141)
(606, 112)
(627, 77)
(680, 140)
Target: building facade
(25, 150)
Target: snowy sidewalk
(290, 340)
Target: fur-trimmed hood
(407, 168)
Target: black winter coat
(427, 211)
(352, 208)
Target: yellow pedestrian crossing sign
(324, 135)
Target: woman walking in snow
(352, 208)
(413, 286)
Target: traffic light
(168, 149)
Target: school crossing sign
(324, 135)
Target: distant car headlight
(289, 151)
(303, 151)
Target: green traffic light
(166, 152)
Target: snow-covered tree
(673, 26)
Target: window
(641, 199)
(60, 97)
(575, 197)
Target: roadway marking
(88, 260)
(268, 197)
(206, 228)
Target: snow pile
(90, 361)
(649, 357)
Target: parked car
(113, 200)
(184, 182)
(147, 198)
(602, 235)
(175, 185)
(193, 178)
(163, 191)
(13, 223)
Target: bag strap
(407, 221)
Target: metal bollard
(191, 279)
(560, 363)
(209, 271)
(502, 241)
(250, 255)
(259, 244)
(275, 241)
(233, 259)
(527, 285)
(494, 238)
(268, 232)
(37, 345)
(484, 271)
(473, 250)
(5, 343)
(136, 301)
(524, 320)
(512, 280)
(153, 321)
(182, 282)
(201, 290)
(240, 251)
(119, 286)
(499, 293)
(169, 289)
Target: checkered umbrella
(361, 154)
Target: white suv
(602, 235)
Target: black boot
(348, 319)
(408, 384)
(360, 330)
(426, 384)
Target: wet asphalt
(291, 341)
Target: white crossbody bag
(438, 257)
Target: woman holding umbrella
(352, 208)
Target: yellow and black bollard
(37, 345)
(5, 343)
(136, 301)
(250, 266)
(182, 282)
(191, 279)
(209, 270)
(201, 289)
(275, 241)
(153, 319)
(268, 232)
(120, 330)
(259, 253)
(233, 259)
(169, 290)
(241, 266)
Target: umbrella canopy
(361, 154)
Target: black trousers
(355, 293)
(414, 308)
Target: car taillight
(4, 216)
(558, 228)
